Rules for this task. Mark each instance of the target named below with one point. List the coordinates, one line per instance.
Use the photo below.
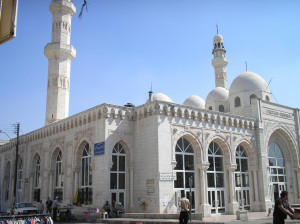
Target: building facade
(237, 149)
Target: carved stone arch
(221, 141)
(76, 122)
(165, 110)
(72, 123)
(193, 115)
(113, 113)
(105, 112)
(212, 119)
(286, 141)
(157, 108)
(84, 119)
(127, 115)
(199, 116)
(135, 115)
(235, 122)
(186, 114)
(60, 128)
(145, 112)
(53, 155)
(120, 114)
(150, 111)
(206, 117)
(94, 115)
(245, 124)
(79, 150)
(99, 114)
(218, 119)
(80, 121)
(192, 138)
(124, 140)
(224, 122)
(229, 121)
(250, 125)
(179, 112)
(240, 123)
(251, 152)
(34, 159)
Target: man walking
(185, 207)
(282, 209)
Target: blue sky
(125, 45)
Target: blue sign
(99, 148)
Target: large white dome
(217, 94)
(247, 82)
(195, 101)
(161, 97)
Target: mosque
(235, 150)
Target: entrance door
(217, 200)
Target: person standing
(185, 207)
(282, 209)
(106, 207)
(48, 206)
(41, 207)
(55, 207)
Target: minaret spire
(219, 62)
(60, 54)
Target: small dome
(161, 97)
(194, 101)
(247, 82)
(217, 94)
(218, 38)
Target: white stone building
(236, 149)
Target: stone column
(31, 184)
(233, 205)
(204, 207)
(76, 175)
(131, 169)
(256, 202)
(51, 174)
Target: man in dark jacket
(282, 209)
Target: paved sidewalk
(253, 218)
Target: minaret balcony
(59, 49)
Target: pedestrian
(185, 207)
(41, 207)
(55, 206)
(106, 207)
(282, 209)
(48, 206)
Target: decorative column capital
(253, 168)
(203, 166)
(231, 167)
(76, 169)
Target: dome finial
(246, 66)
(217, 28)
(150, 93)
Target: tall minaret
(219, 62)
(60, 54)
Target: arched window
(242, 186)
(37, 180)
(7, 182)
(267, 98)
(215, 179)
(59, 176)
(117, 174)
(221, 108)
(19, 179)
(237, 102)
(277, 171)
(86, 190)
(210, 107)
(185, 171)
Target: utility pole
(16, 164)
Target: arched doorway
(215, 179)
(242, 187)
(277, 172)
(118, 175)
(185, 172)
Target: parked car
(24, 208)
